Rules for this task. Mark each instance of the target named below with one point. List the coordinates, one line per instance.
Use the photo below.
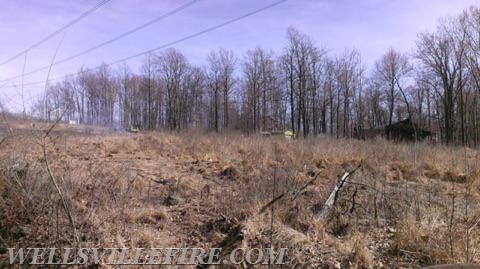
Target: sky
(370, 26)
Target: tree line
(301, 88)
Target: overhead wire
(56, 32)
(166, 45)
(107, 42)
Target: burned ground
(407, 206)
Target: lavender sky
(370, 26)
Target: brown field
(407, 206)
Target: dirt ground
(406, 206)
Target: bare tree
(303, 89)
(221, 79)
(348, 71)
(261, 90)
(390, 72)
(173, 67)
(441, 54)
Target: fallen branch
(334, 194)
(269, 204)
(294, 194)
(300, 191)
(231, 241)
(236, 235)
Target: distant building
(404, 130)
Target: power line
(202, 32)
(86, 51)
(43, 40)
(10, 99)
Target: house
(404, 130)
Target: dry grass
(408, 206)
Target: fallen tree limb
(269, 204)
(294, 194)
(230, 242)
(334, 194)
(300, 191)
(236, 235)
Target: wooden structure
(404, 130)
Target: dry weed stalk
(223, 184)
(55, 182)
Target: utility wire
(202, 32)
(43, 40)
(129, 32)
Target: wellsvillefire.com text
(144, 256)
